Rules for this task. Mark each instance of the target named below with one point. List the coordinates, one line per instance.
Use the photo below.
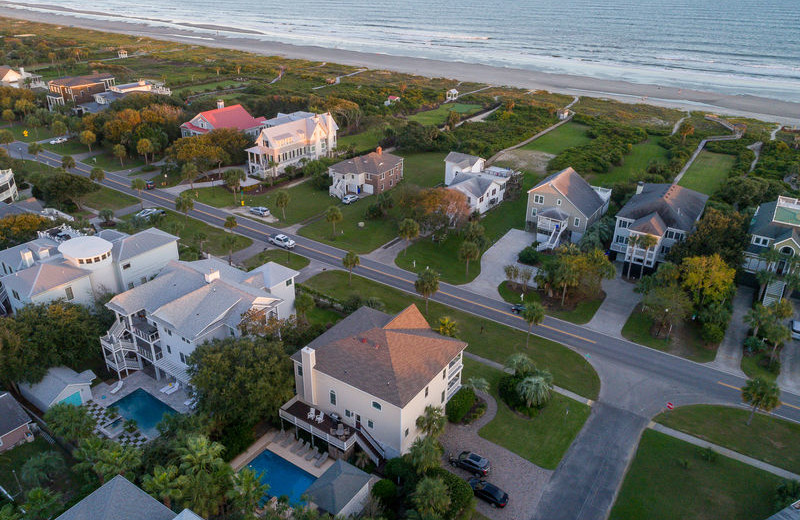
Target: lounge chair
(320, 417)
(287, 441)
(321, 460)
(305, 449)
(311, 413)
(299, 444)
(176, 386)
(279, 436)
(117, 387)
(313, 454)
(166, 388)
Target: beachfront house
(8, 186)
(391, 100)
(102, 100)
(483, 186)
(122, 54)
(63, 263)
(60, 385)
(367, 380)
(77, 89)
(774, 244)
(19, 79)
(369, 174)
(119, 499)
(290, 140)
(15, 424)
(159, 323)
(234, 117)
(562, 206)
(667, 213)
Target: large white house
(63, 263)
(19, 79)
(288, 139)
(8, 187)
(189, 303)
(369, 378)
(484, 187)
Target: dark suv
(489, 492)
(472, 462)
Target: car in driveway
(794, 325)
(260, 211)
(349, 199)
(282, 241)
(58, 140)
(471, 462)
(488, 492)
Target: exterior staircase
(553, 240)
(773, 292)
(337, 189)
(370, 446)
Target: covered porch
(551, 226)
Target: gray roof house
(14, 423)
(119, 499)
(563, 206)
(666, 212)
(342, 490)
(790, 512)
(59, 385)
(484, 187)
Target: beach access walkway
(737, 130)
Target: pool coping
(265, 443)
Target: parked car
(282, 241)
(517, 308)
(149, 185)
(261, 211)
(795, 326)
(148, 213)
(471, 462)
(58, 140)
(349, 199)
(488, 492)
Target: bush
(149, 168)
(374, 212)
(507, 389)
(321, 181)
(460, 404)
(712, 333)
(385, 491)
(401, 472)
(236, 438)
(529, 256)
(476, 413)
(461, 495)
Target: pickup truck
(282, 241)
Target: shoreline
(771, 110)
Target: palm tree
(233, 178)
(9, 512)
(362, 459)
(350, 262)
(757, 317)
(761, 395)
(520, 364)
(70, 422)
(408, 230)
(447, 327)
(477, 384)
(282, 200)
(88, 454)
(248, 491)
(432, 421)
(120, 153)
(41, 468)
(41, 504)
(117, 459)
(646, 242)
(426, 284)
(184, 203)
(143, 147)
(468, 251)
(775, 332)
(633, 242)
(208, 476)
(35, 149)
(166, 484)
(535, 389)
(333, 215)
(88, 138)
(425, 454)
(303, 303)
(107, 215)
(138, 185)
(533, 314)
(6, 138)
(686, 129)
(431, 498)
(67, 162)
(566, 276)
(200, 238)
(97, 174)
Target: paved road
(637, 381)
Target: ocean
(726, 46)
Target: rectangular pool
(145, 409)
(283, 477)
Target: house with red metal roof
(234, 116)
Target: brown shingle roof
(76, 81)
(373, 163)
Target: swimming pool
(145, 409)
(283, 477)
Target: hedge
(461, 495)
(460, 404)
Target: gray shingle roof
(790, 512)
(53, 383)
(461, 160)
(43, 277)
(270, 275)
(118, 499)
(575, 189)
(12, 416)
(476, 186)
(651, 224)
(131, 246)
(677, 206)
(337, 486)
(373, 163)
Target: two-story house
(666, 212)
(19, 79)
(8, 186)
(563, 206)
(63, 263)
(161, 322)
(367, 380)
(234, 117)
(290, 139)
(775, 226)
(370, 174)
(15, 424)
(77, 89)
(484, 187)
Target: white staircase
(370, 446)
(337, 189)
(553, 240)
(774, 292)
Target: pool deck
(265, 443)
(101, 394)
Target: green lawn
(188, 229)
(582, 313)
(751, 365)
(71, 147)
(485, 338)
(349, 235)
(110, 163)
(279, 256)
(323, 316)
(634, 163)
(425, 169)
(365, 141)
(543, 439)
(658, 487)
(106, 198)
(438, 116)
(563, 137)
(684, 341)
(34, 134)
(708, 172)
(767, 438)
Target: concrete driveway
(617, 307)
(502, 253)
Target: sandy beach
(783, 112)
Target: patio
(101, 394)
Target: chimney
(220, 104)
(639, 187)
(212, 275)
(379, 150)
(308, 359)
(27, 257)
(22, 71)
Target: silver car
(261, 211)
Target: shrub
(236, 438)
(461, 495)
(507, 389)
(460, 404)
(753, 345)
(476, 413)
(708, 454)
(149, 168)
(321, 181)
(529, 256)
(385, 491)
(373, 212)
(401, 472)
(712, 333)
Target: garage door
(74, 399)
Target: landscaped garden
(708, 172)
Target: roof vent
(639, 187)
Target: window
(288, 282)
(480, 200)
(169, 332)
(619, 239)
(370, 423)
(623, 224)
(88, 260)
(669, 234)
(426, 391)
(405, 434)
(494, 191)
(376, 405)
(442, 395)
(183, 358)
(97, 259)
(577, 222)
(347, 413)
(126, 266)
(538, 199)
(80, 260)
(69, 293)
(143, 280)
(534, 211)
(333, 398)
(444, 374)
(558, 202)
(169, 350)
(130, 285)
(300, 370)
(15, 294)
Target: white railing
(130, 364)
(116, 329)
(118, 345)
(313, 430)
(149, 337)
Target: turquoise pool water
(283, 477)
(145, 409)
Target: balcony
(144, 330)
(119, 345)
(125, 363)
(296, 412)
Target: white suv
(261, 211)
(349, 199)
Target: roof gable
(575, 189)
(409, 318)
(234, 116)
(677, 206)
(338, 486)
(118, 499)
(12, 415)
